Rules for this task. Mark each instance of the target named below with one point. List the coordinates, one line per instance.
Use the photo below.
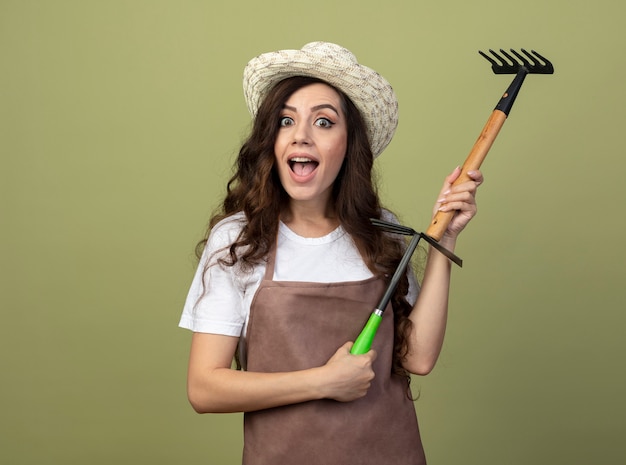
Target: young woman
(292, 267)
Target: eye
(286, 121)
(324, 123)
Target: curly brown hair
(255, 189)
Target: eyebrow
(315, 108)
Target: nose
(301, 135)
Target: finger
(459, 191)
(476, 176)
(470, 181)
(460, 206)
(460, 200)
(452, 176)
(447, 185)
(463, 195)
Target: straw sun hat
(337, 66)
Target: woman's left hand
(461, 198)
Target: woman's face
(311, 143)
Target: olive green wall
(118, 124)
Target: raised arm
(430, 313)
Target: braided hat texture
(368, 90)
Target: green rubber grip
(364, 341)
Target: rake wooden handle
(479, 151)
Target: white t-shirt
(220, 303)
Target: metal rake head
(532, 62)
(393, 227)
(406, 231)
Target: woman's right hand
(348, 377)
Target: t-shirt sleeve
(214, 303)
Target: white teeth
(300, 160)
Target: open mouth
(302, 166)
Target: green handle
(364, 341)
